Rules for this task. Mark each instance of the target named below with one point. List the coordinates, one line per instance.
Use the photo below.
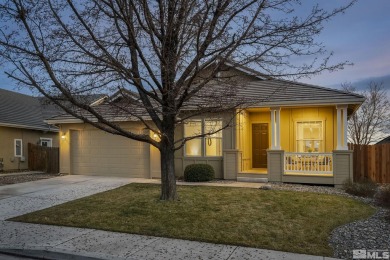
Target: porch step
(252, 175)
(252, 179)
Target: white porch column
(277, 111)
(342, 127)
(273, 145)
(338, 128)
(345, 127)
(275, 128)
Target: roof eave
(79, 121)
(47, 129)
(310, 103)
(63, 121)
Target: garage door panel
(95, 152)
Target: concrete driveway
(55, 242)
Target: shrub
(383, 196)
(365, 188)
(199, 172)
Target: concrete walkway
(54, 241)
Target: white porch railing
(308, 163)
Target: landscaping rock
(266, 187)
(372, 233)
(19, 178)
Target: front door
(259, 145)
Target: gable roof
(260, 91)
(287, 93)
(123, 105)
(23, 111)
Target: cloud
(361, 84)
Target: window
(213, 143)
(210, 145)
(18, 147)
(193, 147)
(47, 142)
(309, 137)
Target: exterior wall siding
(275, 165)
(289, 117)
(231, 165)
(328, 180)
(7, 136)
(342, 167)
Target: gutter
(309, 103)
(49, 129)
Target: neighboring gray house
(384, 140)
(21, 122)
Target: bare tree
(158, 49)
(372, 121)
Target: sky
(361, 35)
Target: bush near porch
(279, 220)
(199, 173)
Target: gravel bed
(372, 233)
(307, 188)
(6, 180)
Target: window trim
(46, 139)
(203, 139)
(322, 133)
(21, 148)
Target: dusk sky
(361, 36)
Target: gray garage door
(95, 152)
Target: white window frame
(322, 134)
(45, 139)
(203, 139)
(21, 148)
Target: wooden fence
(42, 158)
(371, 162)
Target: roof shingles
(23, 111)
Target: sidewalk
(57, 242)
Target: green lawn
(280, 220)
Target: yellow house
(295, 133)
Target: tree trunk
(167, 151)
(168, 179)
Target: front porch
(302, 145)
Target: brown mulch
(12, 179)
